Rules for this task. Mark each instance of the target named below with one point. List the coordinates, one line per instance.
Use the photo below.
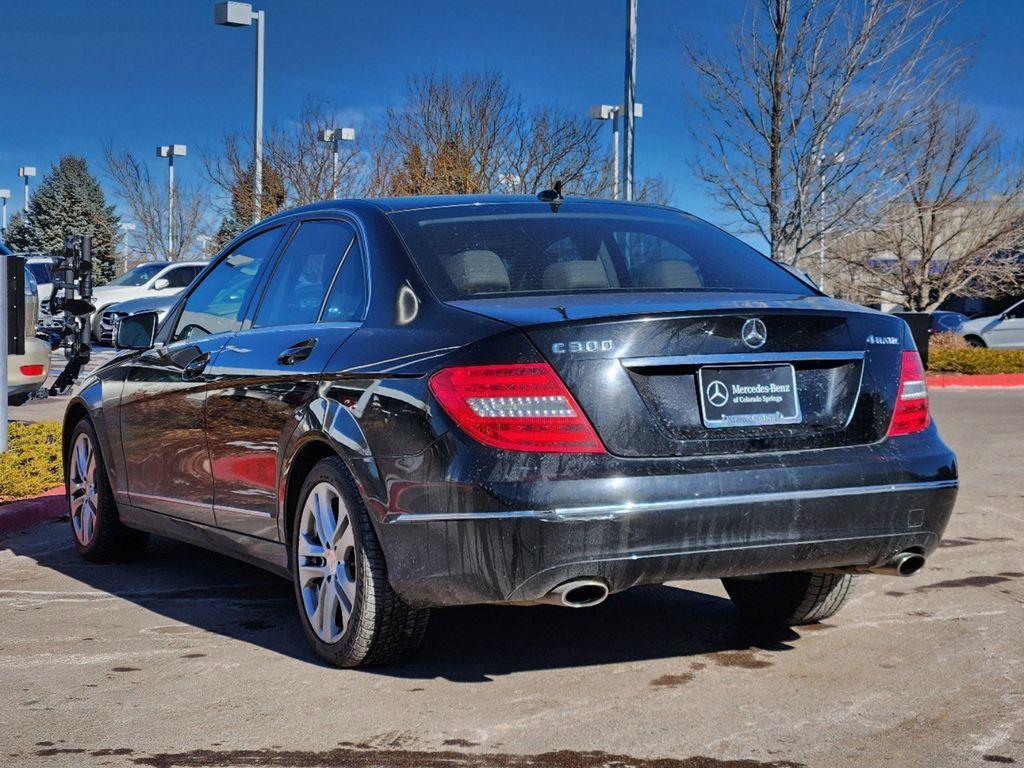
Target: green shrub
(32, 463)
(975, 360)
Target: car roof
(419, 202)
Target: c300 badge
(561, 347)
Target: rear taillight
(515, 407)
(911, 413)
(31, 370)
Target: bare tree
(298, 168)
(959, 225)
(475, 135)
(797, 127)
(146, 198)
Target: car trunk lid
(638, 363)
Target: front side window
(180, 277)
(1016, 312)
(304, 274)
(501, 249)
(218, 302)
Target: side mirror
(160, 284)
(136, 331)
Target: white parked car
(157, 278)
(1002, 330)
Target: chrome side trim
(606, 511)
(743, 359)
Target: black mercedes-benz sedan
(419, 402)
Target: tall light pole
(171, 151)
(26, 172)
(126, 227)
(204, 242)
(333, 136)
(612, 112)
(629, 101)
(234, 14)
(823, 162)
(5, 195)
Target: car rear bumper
(735, 516)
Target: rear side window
(304, 274)
(217, 303)
(348, 294)
(504, 249)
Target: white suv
(1003, 330)
(157, 278)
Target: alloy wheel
(326, 555)
(82, 489)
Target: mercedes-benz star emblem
(718, 393)
(753, 333)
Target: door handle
(296, 352)
(195, 369)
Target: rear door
(162, 407)
(314, 300)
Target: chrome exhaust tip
(903, 564)
(579, 593)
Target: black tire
(381, 627)
(110, 539)
(790, 599)
(975, 341)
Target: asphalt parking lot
(188, 658)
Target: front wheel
(790, 599)
(349, 612)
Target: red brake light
(515, 407)
(31, 370)
(911, 413)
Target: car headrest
(478, 271)
(574, 274)
(669, 273)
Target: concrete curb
(18, 516)
(992, 380)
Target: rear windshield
(486, 250)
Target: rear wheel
(975, 341)
(96, 528)
(349, 612)
(790, 598)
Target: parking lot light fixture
(5, 195)
(610, 112)
(126, 227)
(171, 151)
(233, 14)
(27, 172)
(333, 136)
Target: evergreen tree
(69, 201)
(18, 235)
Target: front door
(1008, 331)
(163, 404)
(267, 375)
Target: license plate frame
(767, 395)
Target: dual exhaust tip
(586, 593)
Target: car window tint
(1016, 312)
(304, 273)
(180, 277)
(348, 294)
(501, 249)
(217, 303)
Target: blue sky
(77, 74)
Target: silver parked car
(1002, 330)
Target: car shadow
(196, 588)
